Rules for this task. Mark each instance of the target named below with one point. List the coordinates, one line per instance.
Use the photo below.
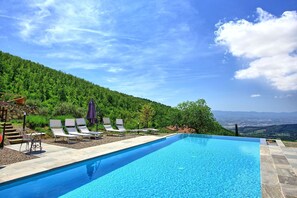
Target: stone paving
(278, 171)
(278, 163)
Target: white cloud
(63, 55)
(255, 95)
(283, 96)
(112, 80)
(80, 65)
(269, 44)
(115, 69)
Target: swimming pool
(177, 166)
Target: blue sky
(237, 55)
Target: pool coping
(59, 156)
(278, 164)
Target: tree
(198, 115)
(146, 114)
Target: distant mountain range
(229, 118)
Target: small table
(36, 141)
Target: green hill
(53, 91)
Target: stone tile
(268, 168)
(292, 161)
(275, 150)
(286, 172)
(268, 178)
(264, 150)
(271, 191)
(280, 143)
(289, 150)
(289, 191)
(294, 166)
(290, 156)
(266, 159)
(288, 180)
(284, 166)
(280, 159)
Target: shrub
(33, 102)
(34, 121)
(164, 130)
(43, 111)
(68, 109)
(61, 117)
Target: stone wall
(16, 111)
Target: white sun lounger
(71, 129)
(58, 131)
(108, 127)
(82, 127)
(120, 126)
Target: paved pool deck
(278, 163)
(278, 171)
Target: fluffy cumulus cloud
(270, 45)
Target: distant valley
(229, 118)
(260, 124)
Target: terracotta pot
(20, 100)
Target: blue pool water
(177, 166)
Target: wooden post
(2, 114)
(3, 132)
(5, 118)
(24, 122)
(236, 130)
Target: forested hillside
(48, 88)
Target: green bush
(43, 111)
(34, 121)
(164, 130)
(33, 102)
(69, 109)
(62, 118)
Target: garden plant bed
(9, 156)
